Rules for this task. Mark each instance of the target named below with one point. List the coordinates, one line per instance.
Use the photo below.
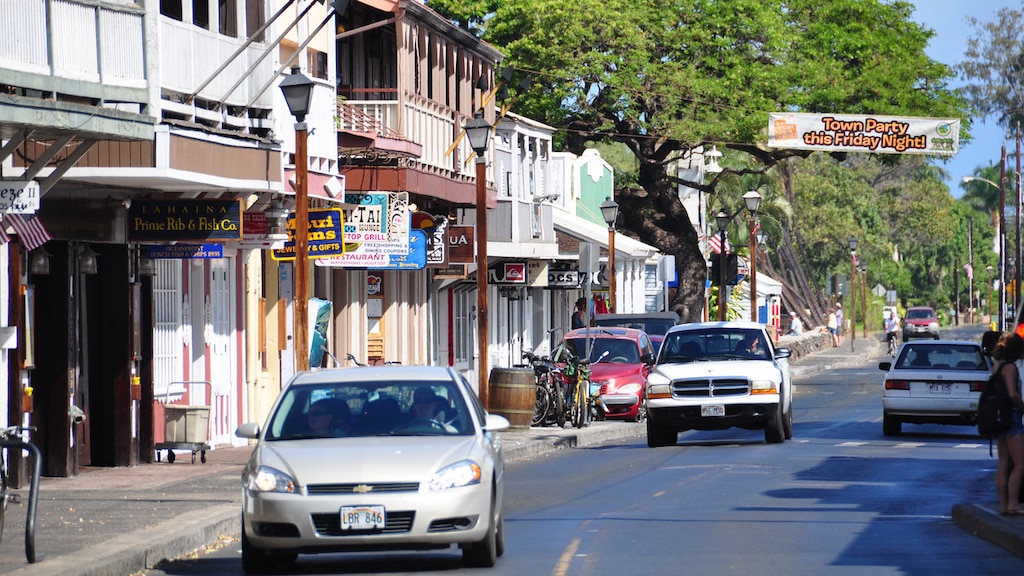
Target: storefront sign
(324, 232)
(509, 273)
(563, 278)
(461, 248)
(416, 258)
(170, 220)
(537, 271)
(378, 221)
(451, 272)
(19, 197)
(203, 251)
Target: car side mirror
(884, 366)
(783, 353)
(248, 430)
(647, 358)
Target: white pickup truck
(718, 375)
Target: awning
(591, 232)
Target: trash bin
(186, 424)
(513, 395)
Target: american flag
(715, 243)
(31, 233)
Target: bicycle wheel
(558, 403)
(542, 403)
(579, 405)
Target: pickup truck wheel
(658, 436)
(774, 432)
(787, 422)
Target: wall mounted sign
(171, 220)
(324, 233)
(202, 251)
(415, 259)
(461, 248)
(19, 197)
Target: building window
(227, 13)
(318, 64)
(168, 330)
(201, 14)
(171, 9)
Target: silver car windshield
(369, 409)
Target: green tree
(994, 67)
(663, 77)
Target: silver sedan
(373, 458)
(936, 382)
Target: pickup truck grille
(709, 388)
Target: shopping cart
(186, 427)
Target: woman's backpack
(995, 411)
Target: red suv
(621, 375)
(920, 322)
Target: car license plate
(712, 410)
(940, 388)
(362, 517)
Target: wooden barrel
(512, 395)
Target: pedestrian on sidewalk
(832, 327)
(796, 327)
(839, 324)
(1009, 352)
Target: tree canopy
(663, 77)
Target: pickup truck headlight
(763, 387)
(659, 391)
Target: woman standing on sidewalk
(1009, 351)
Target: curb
(536, 443)
(987, 524)
(144, 549)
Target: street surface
(840, 498)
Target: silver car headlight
(462, 473)
(267, 479)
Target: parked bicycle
(549, 406)
(11, 439)
(581, 402)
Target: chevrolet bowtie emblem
(363, 489)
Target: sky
(948, 18)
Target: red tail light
(977, 386)
(897, 385)
(1020, 330)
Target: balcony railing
(75, 49)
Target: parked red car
(621, 375)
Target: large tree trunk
(655, 214)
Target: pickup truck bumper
(688, 417)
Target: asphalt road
(840, 498)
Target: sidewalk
(116, 521)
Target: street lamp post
(853, 277)
(610, 211)
(478, 131)
(988, 297)
(722, 219)
(753, 201)
(298, 91)
(864, 299)
(1002, 235)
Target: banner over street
(864, 133)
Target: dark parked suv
(920, 322)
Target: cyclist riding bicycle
(892, 328)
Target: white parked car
(933, 381)
(380, 457)
(718, 375)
